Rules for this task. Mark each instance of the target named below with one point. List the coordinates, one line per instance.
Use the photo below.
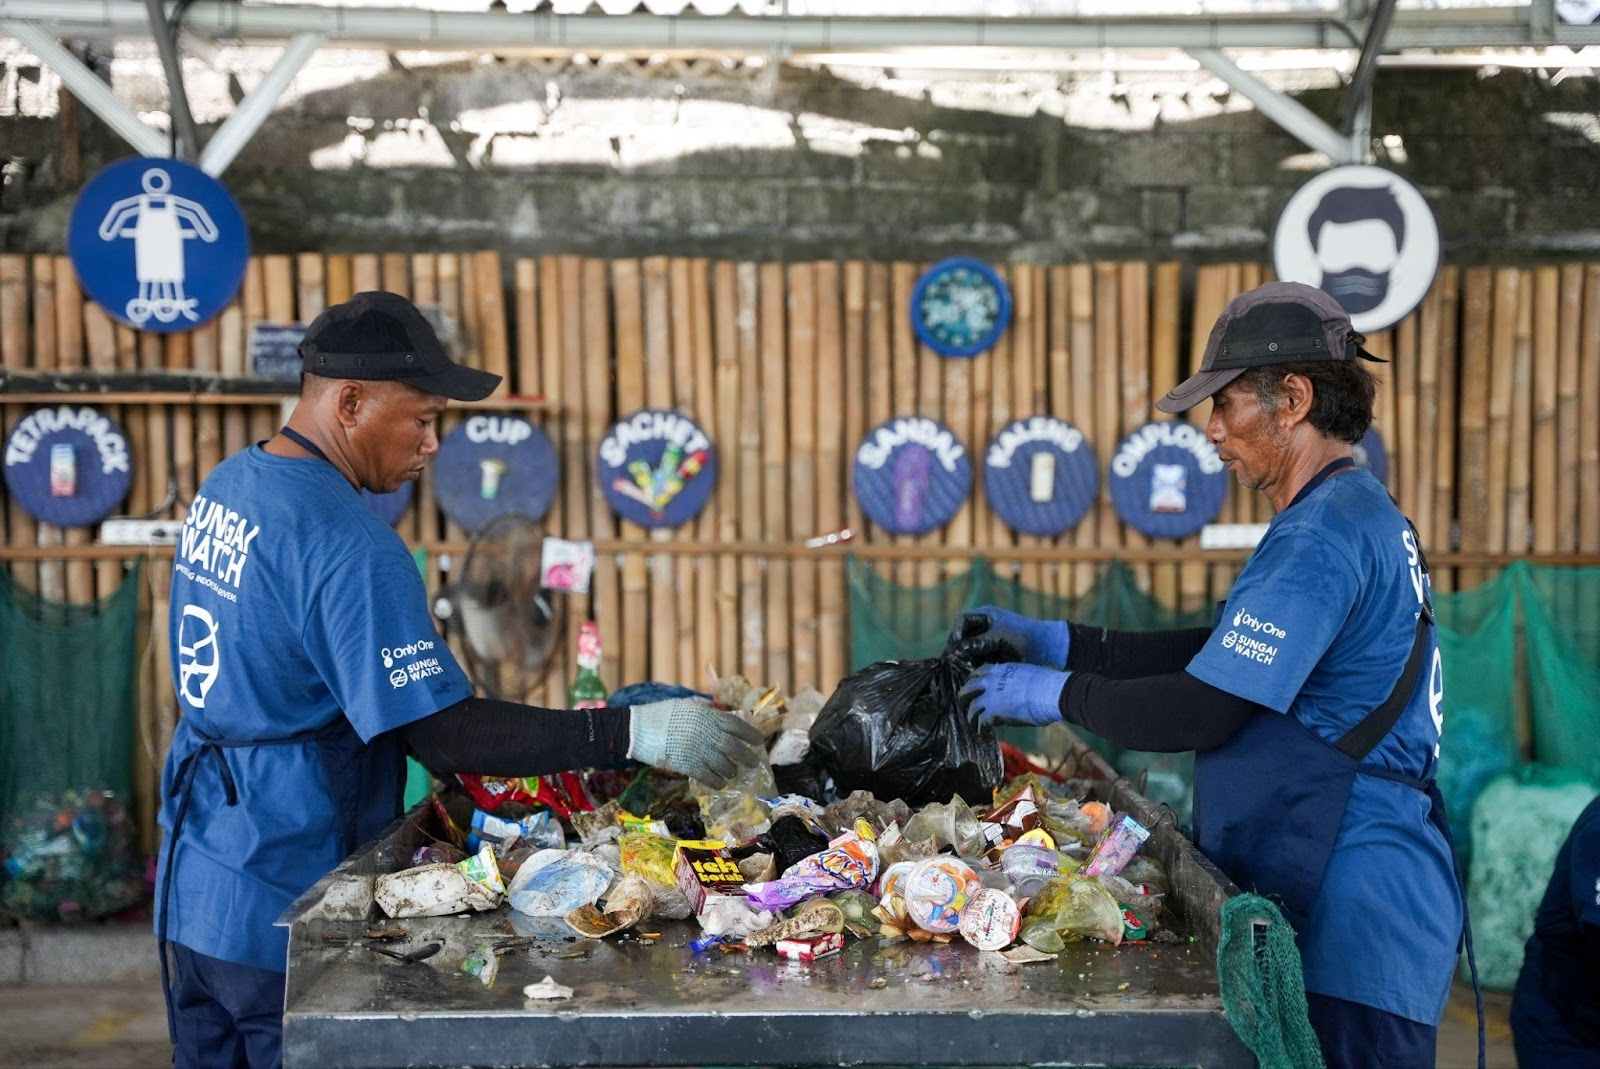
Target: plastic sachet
(1069, 909)
(553, 883)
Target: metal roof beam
(1280, 108)
(1432, 30)
(177, 96)
(237, 130)
(87, 87)
(1358, 95)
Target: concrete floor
(123, 1026)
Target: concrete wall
(736, 159)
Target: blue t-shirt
(293, 608)
(1319, 626)
(1555, 1016)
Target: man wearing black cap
(1315, 702)
(306, 664)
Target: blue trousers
(225, 1015)
(1354, 1036)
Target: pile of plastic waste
(70, 857)
(757, 866)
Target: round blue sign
(391, 506)
(494, 464)
(911, 474)
(960, 307)
(1167, 480)
(1040, 475)
(158, 243)
(1369, 453)
(68, 465)
(657, 468)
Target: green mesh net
(1477, 642)
(66, 693)
(1519, 821)
(1263, 992)
(66, 754)
(1561, 624)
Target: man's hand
(1013, 693)
(1041, 642)
(686, 735)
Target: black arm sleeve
(495, 738)
(1165, 713)
(1129, 654)
(1585, 1015)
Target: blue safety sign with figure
(158, 243)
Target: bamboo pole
(1444, 480)
(491, 314)
(880, 383)
(1024, 358)
(14, 351)
(703, 376)
(751, 525)
(726, 429)
(1107, 391)
(71, 356)
(1589, 419)
(930, 403)
(311, 286)
(774, 469)
(365, 273)
(1080, 335)
(1164, 315)
(1210, 297)
(906, 398)
(1134, 340)
(1422, 445)
(1545, 322)
(1568, 427)
(628, 291)
(664, 638)
(832, 388)
(680, 312)
(1473, 419)
(802, 390)
(46, 356)
(597, 417)
(1503, 362)
(1402, 437)
(394, 273)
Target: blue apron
(1268, 803)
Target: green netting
(1561, 623)
(1519, 822)
(1477, 643)
(66, 694)
(1263, 989)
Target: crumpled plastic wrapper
(894, 848)
(431, 891)
(650, 857)
(599, 825)
(820, 917)
(553, 883)
(626, 904)
(1069, 909)
(732, 917)
(1148, 906)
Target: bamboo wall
(1490, 412)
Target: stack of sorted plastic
(70, 857)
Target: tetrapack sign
(1040, 475)
(1364, 236)
(491, 464)
(657, 468)
(158, 243)
(1167, 480)
(911, 474)
(68, 465)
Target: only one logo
(199, 656)
(392, 653)
(1244, 619)
(1363, 235)
(158, 243)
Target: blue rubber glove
(1041, 642)
(1013, 694)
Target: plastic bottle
(588, 690)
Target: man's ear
(1298, 393)
(349, 396)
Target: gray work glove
(686, 735)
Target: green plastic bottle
(588, 690)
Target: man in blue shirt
(1555, 1014)
(306, 665)
(1315, 702)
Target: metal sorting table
(641, 1001)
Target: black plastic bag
(894, 729)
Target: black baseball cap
(1278, 323)
(381, 335)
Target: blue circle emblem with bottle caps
(391, 506)
(491, 464)
(911, 474)
(1040, 475)
(657, 468)
(158, 243)
(960, 307)
(1167, 480)
(1369, 453)
(68, 466)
